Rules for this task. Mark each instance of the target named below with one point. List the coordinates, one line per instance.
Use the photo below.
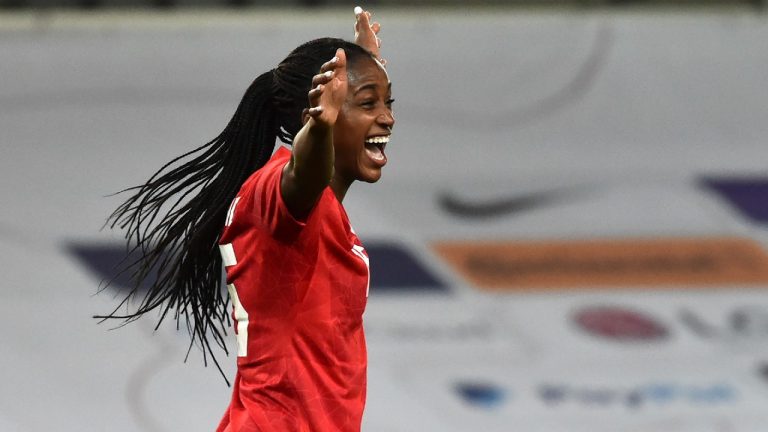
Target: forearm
(310, 169)
(313, 156)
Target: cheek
(347, 139)
(347, 110)
(351, 126)
(345, 122)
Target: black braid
(173, 221)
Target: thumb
(342, 56)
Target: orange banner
(620, 263)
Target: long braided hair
(173, 221)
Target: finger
(322, 78)
(341, 57)
(361, 19)
(315, 111)
(330, 65)
(376, 27)
(316, 92)
(364, 20)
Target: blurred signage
(654, 394)
(435, 332)
(678, 262)
(648, 395)
(747, 194)
(746, 323)
(619, 323)
(394, 268)
(481, 394)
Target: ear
(304, 116)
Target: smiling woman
(297, 274)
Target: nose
(386, 119)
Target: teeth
(378, 140)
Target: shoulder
(273, 166)
(276, 163)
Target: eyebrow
(371, 86)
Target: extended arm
(311, 166)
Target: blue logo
(481, 394)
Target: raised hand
(329, 90)
(366, 33)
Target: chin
(372, 178)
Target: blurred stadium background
(570, 235)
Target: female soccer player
(297, 275)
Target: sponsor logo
(395, 268)
(637, 397)
(652, 395)
(454, 332)
(678, 262)
(743, 326)
(747, 324)
(619, 323)
(481, 394)
(748, 195)
(105, 260)
(499, 207)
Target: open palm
(329, 90)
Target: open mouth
(375, 148)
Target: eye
(368, 103)
(389, 102)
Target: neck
(339, 188)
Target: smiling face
(364, 124)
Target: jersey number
(240, 314)
(360, 252)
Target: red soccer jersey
(299, 290)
